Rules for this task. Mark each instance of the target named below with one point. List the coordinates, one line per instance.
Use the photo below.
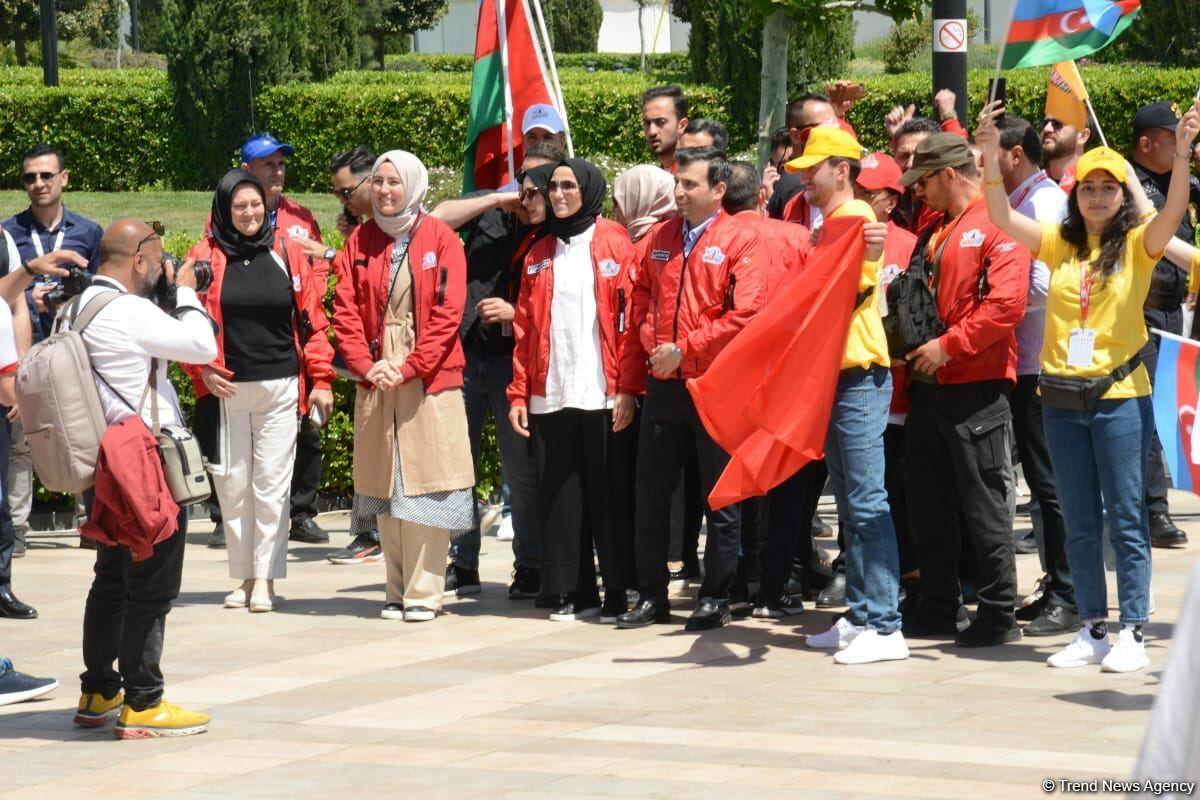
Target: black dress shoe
(216, 539)
(645, 613)
(1032, 611)
(834, 594)
(1163, 532)
(711, 613)
(984, 633)
(307, 530)
(1026, 545)
(1052, 621)
(13, 608)
(924, 624)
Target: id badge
(1080, 347)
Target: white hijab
(646, 194)
(415, 179)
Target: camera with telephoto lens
(164, 290)
(76, 280)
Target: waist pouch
(1081, 394)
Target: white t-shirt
(1041, 199)
(8, 341)
(575, 378)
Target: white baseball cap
(541, 115)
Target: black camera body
(164, 290)
(77, 280)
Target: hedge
(1116, 91)
(601, 62)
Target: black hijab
(231, 241)
(592, 188)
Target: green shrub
(678, 63)
(68, 78)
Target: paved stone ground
(323, 699)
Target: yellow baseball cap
(824, 142)
(1103, 159)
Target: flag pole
(1087, 100)
(502, 34)
(558, 95)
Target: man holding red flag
(870, 629)
(959, 420)
(702, 281)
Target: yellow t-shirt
(1115, 310)
(866, 344)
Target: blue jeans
(485, 380)
(1099, 460)
(854, 456)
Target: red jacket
(132, 505)
(897, 253)
(612, 265)
(316, 355)
(641, 248)
(701, 302)
(295, 222)
(980, 337)
(439, 275)
(787, 245)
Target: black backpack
(913, 317)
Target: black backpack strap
(1125, 370)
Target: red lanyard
(1085, 291)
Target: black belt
(861, 372)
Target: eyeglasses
(346, 193)
(158, 228)
(1057, 125)
(30, 178)
(563, 186)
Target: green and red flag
(1049, 31)
(508, 77)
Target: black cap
(1157, 115)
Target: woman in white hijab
(643, 197)
(399, 299)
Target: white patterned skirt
(452, 510)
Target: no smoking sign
(949, 36)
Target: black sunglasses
(158, 228)
(346, 193)
(1057, 125)
(30, 178)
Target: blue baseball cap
(261, 145)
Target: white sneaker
(236, 599)
(1127, 655)
(392, 611)
(871, 646)
(838, 637)
(419, 614)
(505, 532)
(1082, 650)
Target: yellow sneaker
(164, 719)
(94, 711)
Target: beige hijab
(415, 178)
(646, 195)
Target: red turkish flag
(768, 396)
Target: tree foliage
(333, 30)
(220, 55)
(574, 25)
(1166, 32)
(383, 18)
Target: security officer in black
(1153, 153)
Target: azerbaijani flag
(508, 77)
(1049, 31)
(1176, 397)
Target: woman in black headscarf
(575, 377)
(274, 362)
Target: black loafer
(216, 539)
(983, 633)
(1026, 545)
(711, 613)
(1164, 533)
(647, 612)
(923, 624)
(307, 531)
(12, 608)
(834, 594)
(1052, 621)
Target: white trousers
(254, 479)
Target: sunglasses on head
(345, 194)
(30, 178)
(158, 230)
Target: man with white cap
(543, 123)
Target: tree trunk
(379, 57)
(641, 7)
(777, 31)
(19, 47)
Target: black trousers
(580, 505)
(790, 508)
(960, 459)
(125, 619)
(1156, 470)
(895, 468)
(8, 534)
(670, 426)
(306, 476)
(687, 514)
(1039, 474)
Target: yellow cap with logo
(826, 142)
(1102, 159)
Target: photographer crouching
(139, 566)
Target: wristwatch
(329, 254)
